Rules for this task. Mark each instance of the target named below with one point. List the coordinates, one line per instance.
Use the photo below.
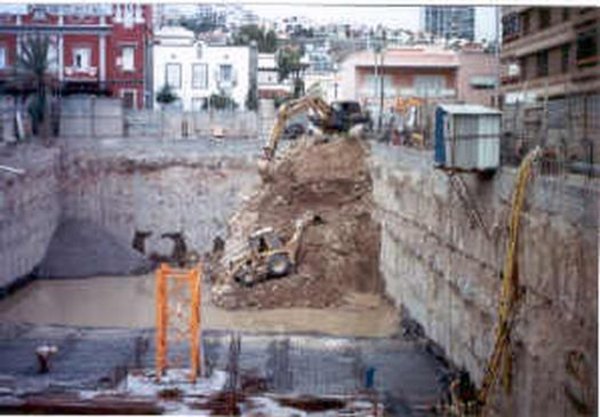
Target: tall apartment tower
(450, 21)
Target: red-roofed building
(98, 49)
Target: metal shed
(467, 137)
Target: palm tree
(32, 72)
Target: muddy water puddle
(129, 302)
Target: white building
(196, 70)
(268, 78)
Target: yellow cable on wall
(500, 359)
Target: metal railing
(567, 130)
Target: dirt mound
(338, 255)
(80, 248)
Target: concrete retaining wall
(123, 186)
(29, 209)
(444, 269)
(190, 188)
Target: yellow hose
(501, 357)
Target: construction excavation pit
(292, 311)
(336, 277)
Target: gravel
(80, 249)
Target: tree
(298, 87)
(288, 63)
(266, 41)
(166, 95)
(204, 24)
(252, 99)
(32, 70)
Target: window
(2, 57)
(372, 85)
(564, 58)
(544, 17)
(173, 75)
(429, 85)
(526, 23)
(542, 64)
(81, 58)
(566, 13)
(225, 73)
(587, 48)
(483, 81)
(523, 68)
(510, 26)
(200, 76)
(127, 58)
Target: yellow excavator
(265, 256)
(288, 110)
(339, 117)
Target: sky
(406, 17)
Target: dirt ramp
(338, 254)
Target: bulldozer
(265, 256)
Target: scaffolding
(178, 301)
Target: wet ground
(103, 330)
(129, 302)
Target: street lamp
(335, 81)
(380, 50)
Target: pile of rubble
(336, 256)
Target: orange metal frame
(179, 277)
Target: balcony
(81, 72)
(427, 93)
(533, 42)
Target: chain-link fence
(567, 129)
(173, 124)
(92, 117)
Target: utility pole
(375, 52)
(381, 74)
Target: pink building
(478, 77)
(432, 73)
(407, 72)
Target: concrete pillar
(19, 37)
(102, 61)
(61, 50)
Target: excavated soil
(337, 256)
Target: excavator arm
(288, 110)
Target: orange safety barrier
(167, 317)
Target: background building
(98, 49)
(478, 76)
(550, 51)
(196, 70)
(407, 72)
(450, 21)
(551, 80)
(268, 78)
